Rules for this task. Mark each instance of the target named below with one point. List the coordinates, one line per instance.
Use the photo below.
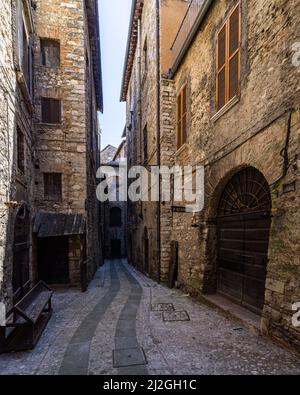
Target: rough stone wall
(94, 246)
(168, 147)
(7, 119)
(71, 148)
(16, 112)
(142, 100)
(252, 133)
(62, 148)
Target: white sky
(114, 24)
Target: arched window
(115, 217)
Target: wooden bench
(27, 320)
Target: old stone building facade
(16, 147)
(115, 212)
(51, 84)
(141, 90)
(226, 97)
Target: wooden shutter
(234, 53)
(228, 59)
(179, 123)
(221, 78)
(20, 151)
(51, 110)
(182, 117)
(53, 186)
(145, 144)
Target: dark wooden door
(115, 248)
(244, 228)
(21, 276)
(53, 260)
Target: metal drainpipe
(158, 135)
(140, 85)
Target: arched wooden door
(21, 277)
(244, 220)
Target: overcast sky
(114, 23)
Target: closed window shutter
(234, 52)
(51, 110)
(145, 144)
(53, 186)
(221, 79)
(21, 150)
(228, 59)
(184, 115)
(179, 123)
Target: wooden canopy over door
(244, 221)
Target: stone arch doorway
(21, 247)
(146, 251)
(243, 232)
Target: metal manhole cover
(163, 307)
(176, 316)
(129, 357)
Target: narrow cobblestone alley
(124, 324)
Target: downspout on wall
(158, 135)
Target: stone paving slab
(207, 344)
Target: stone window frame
(216, 114)
(54, 40)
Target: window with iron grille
(53, 186)
(51, 110)
(228, 59)
(182, 117)
(20, 150)
(50, 52)
(145, 138)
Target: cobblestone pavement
(117, 327)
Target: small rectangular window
(50, 53)
(228, 59)
(53, 186)
(182, 117)
(145, 56)
(20, 151)
(145, 138)
(51, 110)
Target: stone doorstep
(240, 314)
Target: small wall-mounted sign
(291, 187)
(178, 209)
